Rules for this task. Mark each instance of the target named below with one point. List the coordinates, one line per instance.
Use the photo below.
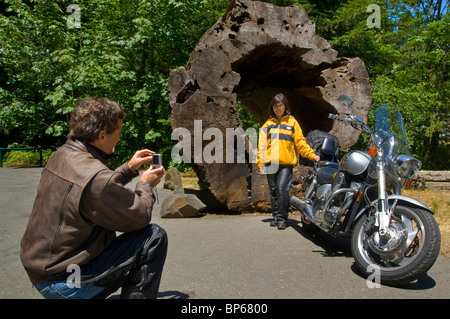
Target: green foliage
(126, 49)
(25, 158)
(123, 50)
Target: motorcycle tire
(315, 139)
(400, 265)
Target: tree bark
(253, 52)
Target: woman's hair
(279, 98)
(93, 115)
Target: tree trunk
(253, 52)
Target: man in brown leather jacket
(70, 248)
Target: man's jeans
(134, 261)
(279, 185)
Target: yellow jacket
(281, 142)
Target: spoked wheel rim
(407, 234)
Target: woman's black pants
(279, 185)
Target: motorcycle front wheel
(406, 254)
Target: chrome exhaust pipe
(302, 206)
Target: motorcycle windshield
(390, 120)
(391, 139)
(390, 132)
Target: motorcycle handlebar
(352, 120)
(344, 119)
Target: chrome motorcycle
(360, 197)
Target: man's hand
(153, 175)
(139, 158)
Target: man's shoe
(281, 225)
(274, 223)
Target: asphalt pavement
(222, 256)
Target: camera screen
(156, 160)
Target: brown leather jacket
(79, 205)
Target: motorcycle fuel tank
(326, 173)
(355, 162)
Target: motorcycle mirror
(345, 101)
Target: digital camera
(157, 160)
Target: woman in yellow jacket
(280, 140)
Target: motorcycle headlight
(407, 165)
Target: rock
(172, 179)
(181, 206)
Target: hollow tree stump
(253, 52)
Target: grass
(189, 180)
(18, 158)
(438, 201)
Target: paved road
(222, 257)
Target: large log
(253, 52)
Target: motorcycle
(360, 198)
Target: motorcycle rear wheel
(412, 250)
